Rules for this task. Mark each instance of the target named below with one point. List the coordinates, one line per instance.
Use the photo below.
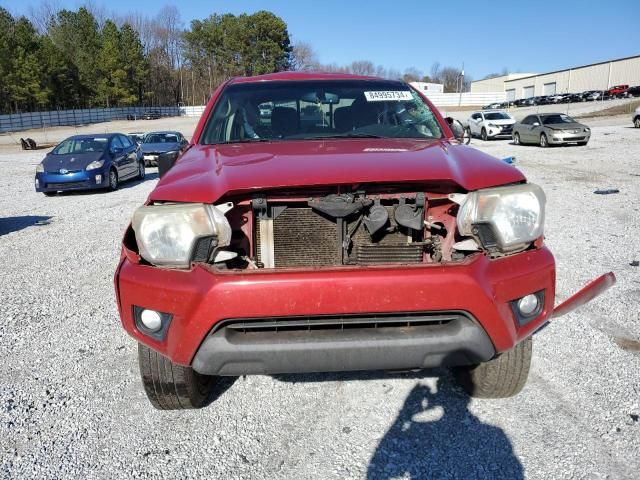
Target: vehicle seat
(284, 121)
(363, 114)
(343, 119)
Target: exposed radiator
(303, 237)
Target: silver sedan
(550, 129)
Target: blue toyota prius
(85, 162)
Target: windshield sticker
(388, 96)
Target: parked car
(550, 129)
(87, 162)
(492, 106)
(633, 91)
(636, 118)
(136, 137)
(491, 124)
(617, 91)
(591, 95)
(274, 248)
(156, 143)
(151, 115)
(521, 102)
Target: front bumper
(80, 180)
(500, 131)
(200, 299)
(562, 138)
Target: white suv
(491, 124)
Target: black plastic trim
(160, 334)
(524, 319)
(230, 350)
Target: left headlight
(166, 234)
(95, 165)
(503, 218)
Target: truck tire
(170, 386)
(501, 377)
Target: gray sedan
(550, 129)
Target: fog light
(98, 178)
(152, 320)
(527, 305)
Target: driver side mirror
(116, 150)
(456, 127)
(535, 124)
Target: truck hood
(205, 173)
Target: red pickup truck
(618, 90)
(342, 228)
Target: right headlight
(167, 234)
(503, 218)
(96, 164)
(40, 168)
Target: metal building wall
(591, 77)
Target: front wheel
(544, 142)
(483, 134)
(141, 170)
(636, 122)
(502, 377)
(170, 386)
(113, 180)
(516, 139)
(466, 136)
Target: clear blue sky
(487, 36)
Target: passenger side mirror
(535, 124)
(456, 127)
(116, 150)
(166, 161)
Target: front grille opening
(303, 237)
(338, 322)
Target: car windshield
(308, 110)
(81, 145)
(496, 116)
(160, 138)
(560, 118)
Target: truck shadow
(436, 436)
(14, 224)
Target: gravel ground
(72, 404)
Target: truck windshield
(307, 110)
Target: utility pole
(461, 80)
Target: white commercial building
(495, 84)
(596, 76)
(428, 87)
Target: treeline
(62, 59)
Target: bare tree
(411, 74)
(435, 71)
(43, 14)
(362, 67)
(304, 58)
